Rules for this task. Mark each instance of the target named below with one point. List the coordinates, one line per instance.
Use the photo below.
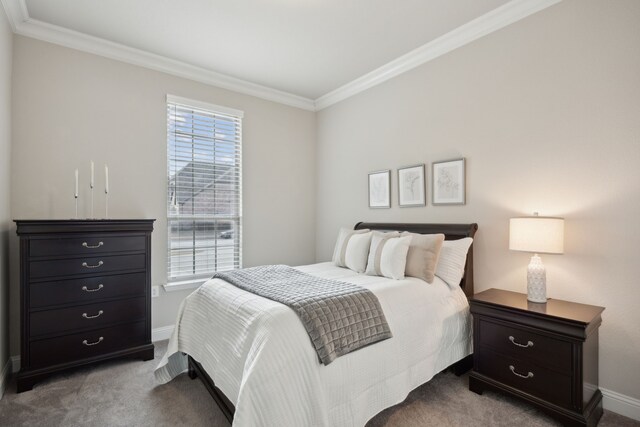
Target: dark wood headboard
(450, 231)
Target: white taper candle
(91, 182)
(76, 192)
(106, 179)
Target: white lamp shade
(537, 234)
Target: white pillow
(453, 257)
(378, 239)
(343, 237)
(352, 249)
(390, 257)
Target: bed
(254, 356)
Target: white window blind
(204, 203)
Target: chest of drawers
(546, 354)
(85, 294)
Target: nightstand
(546, 354)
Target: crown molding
(23, 25)
(16, 11)
(498, 18)
(492, 21)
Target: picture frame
(448, 181)
(380, 189)
(411, 186)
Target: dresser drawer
(86, 265)
(525, 345)
(90, 244)
(541, 382)
(86, 316)
(88, 290)
(82, 345)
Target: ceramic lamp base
(536, 280)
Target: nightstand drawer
(523, 344)
(86, 290)
(86, 265)
(83, 345)
(526, 376)
(86, 316)
(90, 244)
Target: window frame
(186, 282)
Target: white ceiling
(303, 47)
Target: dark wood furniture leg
(462, 366)
(191, 371)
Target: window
(204, 203)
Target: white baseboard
(15, 364)
(163, 333)
(4, 377)
(620, 404)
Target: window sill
(184, 285)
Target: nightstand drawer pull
(89, 344)
(86, 316)
(513, 341)
(100, 286)
(99, 264)
(88, 246)
(513, 371)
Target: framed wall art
(380, 189)
(449, 182)
(411, 186)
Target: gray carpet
(124, 393)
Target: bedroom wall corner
(546, 113)
(6, 64)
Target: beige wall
(70, 107)
(547, 114)
(6, 45)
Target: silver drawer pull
(100, 286)
(513, 340)
(86, 316)
(84, 264)
(89, 344)
(513, 371)
(88, 246)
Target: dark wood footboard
(196, 370)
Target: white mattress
(259, 354)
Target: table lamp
(537, 234)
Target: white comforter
(259, 354)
